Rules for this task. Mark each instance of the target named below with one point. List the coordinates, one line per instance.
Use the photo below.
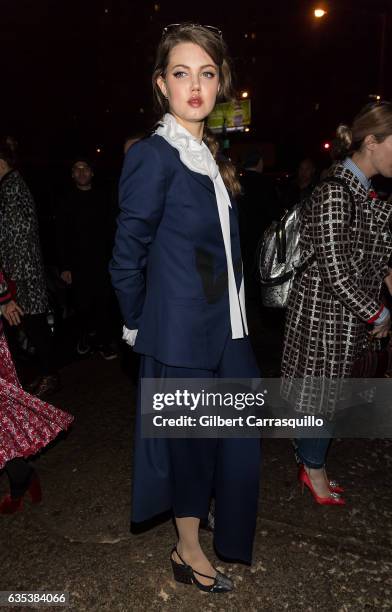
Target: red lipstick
(195, 101)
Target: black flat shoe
(186, 574)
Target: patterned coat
(333, 299)
(20, 252)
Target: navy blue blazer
(169, 267)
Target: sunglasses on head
(174, 26)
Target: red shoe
(333, 485)
(10, 506)
(333, 499)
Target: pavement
(306, 557)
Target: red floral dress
(27, 424)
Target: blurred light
(244, 94)
(247, 129)
(141, 110)
(98, 150)
(319, 13)
(253, 35)
(156, 7)
(246, 35)
(326, 146)
(378, 97)
(106, 11)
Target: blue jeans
(312, 451)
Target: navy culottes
(182, 474)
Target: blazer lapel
(203, 179)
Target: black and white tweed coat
(333, 299)
(20, 252)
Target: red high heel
(333, 485)
(9, 505)
(333, 499)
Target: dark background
(76, 75)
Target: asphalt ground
(306, 557)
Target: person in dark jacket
(85, 230)
(257, 207)
(177, 273)
(21, 261)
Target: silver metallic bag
(279, 258)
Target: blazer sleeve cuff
(380, 316)
(5, 298)
(129, 335)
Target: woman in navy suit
(177, 272)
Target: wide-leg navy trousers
(182, 474)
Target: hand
(12, 312)
(381, 331)
(67, 277)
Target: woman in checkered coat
(335, 299)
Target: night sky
(77, 74)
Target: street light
(319, 13)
